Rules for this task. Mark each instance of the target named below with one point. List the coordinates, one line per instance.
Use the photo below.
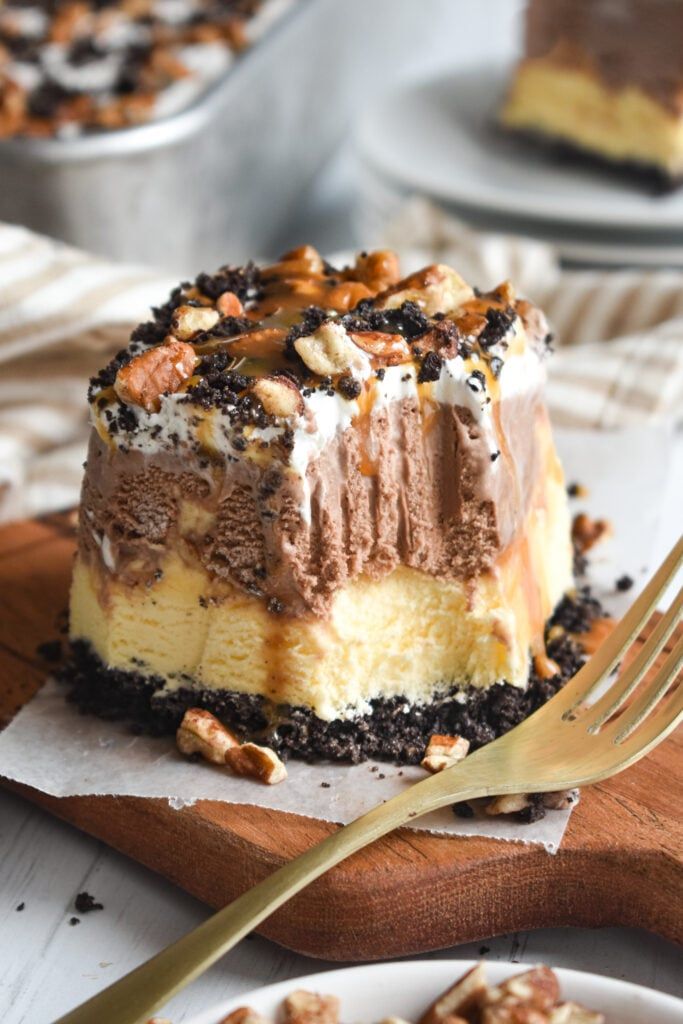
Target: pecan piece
(389, 349)
(156, 372)
(444, 751)
(228, 304)
(461, 999)
(587, 532)
(279, 396)
(260, 763)
(190, 320)
(200, 732)
(303, 1007)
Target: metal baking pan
(219, 181)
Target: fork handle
(136, 996)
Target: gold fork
(566, 743)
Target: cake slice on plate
(604, 77)
(325, 505)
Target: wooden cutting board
(620, 862)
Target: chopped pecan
(279, 396)
(378, 270)
(461, 999)
(328, 351)
(303, 1007)
(444, 751)
(388, 349)
(587, 532)
(509, 803)
(435, 289)
(260, 763)
(228, 304)
(200, 732)
(244, 1015)
(158, 371)
(190, 320)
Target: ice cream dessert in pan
(68, 66)
(604, 78)
(325, 504)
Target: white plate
(405, 989)
(439, 138)
(379, 202)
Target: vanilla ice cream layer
(572, 104)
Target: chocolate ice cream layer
(409, 486)
(628, 42)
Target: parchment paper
(50, 747)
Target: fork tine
(628, 681)
(656, 726)
(613, 757)
(584, 683)
(647, 701)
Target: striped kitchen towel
(63, 313)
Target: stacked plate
(439, 139)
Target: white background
(48, 966)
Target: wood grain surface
(620, 861)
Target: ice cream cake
(324, 504)
(73, 66)
(604, 77)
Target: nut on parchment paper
(444, 751)
(256, 762)
(200, 732)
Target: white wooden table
(47, 965)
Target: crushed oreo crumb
(498, 323)
(576, 490)
(50, 650)
(462, 810)
(431, 367)
(19, 907)
(407, 320)
(624, 583)
(85, 903)
(476, 381)
(74, 921)
(534, 812)
(349, 387)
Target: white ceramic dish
(405, 989)
(439, 138)
(379, 202)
